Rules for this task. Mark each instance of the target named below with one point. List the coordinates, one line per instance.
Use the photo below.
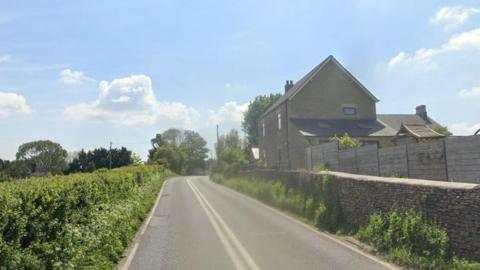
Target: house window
(279, 116)
(349, 111)
(263, 129)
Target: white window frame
(263, 129)
(348, 107)
(279, 117)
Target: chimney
(421, 110)
(288, 85)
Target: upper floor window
(279, 116)
(263, 128)
(349, 111)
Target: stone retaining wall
(455, 206)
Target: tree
(156, 142)
(18, 169)
(230, 140)
(346, 142)
(137, 159)
(171, 157)
(3, 164)
(44, 157)
(443, 130)
(230, 153)
(100, 158)
(252, 115)
(195, 149)
(121, 157)
(173, 136)
(190, 145)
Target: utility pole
(218, 147)
(110, 157)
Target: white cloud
(11, 103)
(424, 59)
(472, 93)
(453, 16)
(464, 128)
(68, 76)
(230, 112)
(131, 101)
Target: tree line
(45, 158)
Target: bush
(74, 222)
(346, 142)
(410, 240)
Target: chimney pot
(288, 85)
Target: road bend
(201, 225)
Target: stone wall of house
(455, 159)
(274, 146)
(455, 206)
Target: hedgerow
(79, 221)
(404, 235)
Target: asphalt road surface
(199, 224)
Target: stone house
(330, 101)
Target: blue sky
(84, 73)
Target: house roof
(395, 121)
(419, 131)
(332, 127)
(299, 85)
(387, 125)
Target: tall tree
(44, 157)
(230, 152)
(171, 157)
(100, 158)
(195, 149)
(173, 136)
(252, 115)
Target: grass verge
(403, 235)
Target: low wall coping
(403, 181)
(394, 180)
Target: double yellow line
(240, 257)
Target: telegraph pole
(218, 146)
(110, 157)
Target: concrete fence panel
(347, 161)
(367, 160)
(393, 161)
(463, 158)
(427, 160)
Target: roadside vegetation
(405, 236)
(47, 158)
(346, 142)
(79, 221)
(182, 151)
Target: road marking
(310, 228)
(251, 263)
(223, 238)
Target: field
(79, 221)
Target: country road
(199, 224)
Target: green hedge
(404, 235)
(79, 221)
